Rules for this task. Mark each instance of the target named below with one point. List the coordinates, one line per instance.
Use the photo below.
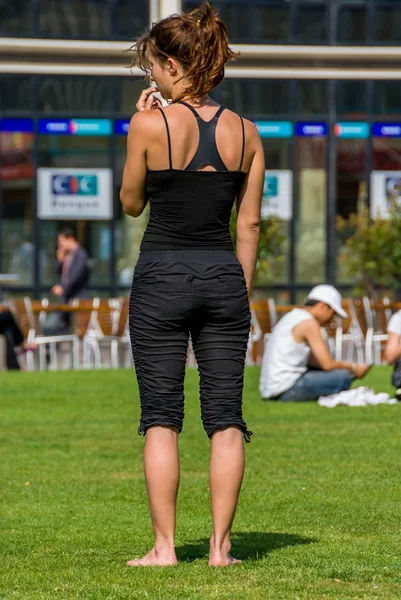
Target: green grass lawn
(319, 515)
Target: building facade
(321, 78)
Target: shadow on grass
(253, 545)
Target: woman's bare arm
(132, 194)
(248, 208)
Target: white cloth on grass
(360, 396)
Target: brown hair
(198, 40)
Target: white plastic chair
(376, 333)
(353, 335)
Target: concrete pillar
(169, 7)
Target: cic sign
(75, 194)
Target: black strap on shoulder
(217, 115)
(197, 115)
(191, 108)
(243, 143)
(168, 138)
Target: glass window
(352, 24)
(252, 21)
(74, 19)
(131, 18)
(80, 95)
(387, 22)
(311, 22)
(15, 94)
(387, 98)
(312, 97)
(351, 192)
(94, 236)
(15, 17)
(16, 184)
(311, 210)
(351, 99)
(277, 157)
(127, 91)
(256, 97)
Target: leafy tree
(372, 252)
(271, 251)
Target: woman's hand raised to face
(147, 100)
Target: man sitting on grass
(392, 352)
(297, 365)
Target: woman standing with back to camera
(191, 161)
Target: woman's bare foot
(155, 559)
(221, 557)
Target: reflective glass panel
(256, 97)
(131, 17)
(82, 19)
(80, 95)
(252, 21)
(311, 22)
(15, 17)
(387, 99)
(127, 91)
(352, 99)
(387, 23)
(312, 97)
(15, 94)
(352, 24)
(94, 236)
(311, 208)
(351, 193)
(16, 185)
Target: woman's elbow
(128, 206)
(248, 228)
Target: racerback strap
(168, 138)
(206, 153)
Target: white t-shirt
(284, 360)
(394, 325)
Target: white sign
(277, 195)
(385, 188)
(75, 194)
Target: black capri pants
(197, 293)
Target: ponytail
(198, 40)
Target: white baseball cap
(330, 296)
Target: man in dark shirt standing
(74, 270)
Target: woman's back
(196, 165)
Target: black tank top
(191, 208)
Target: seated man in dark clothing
(14, 337)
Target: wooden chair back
(18, 307)
(84, 315)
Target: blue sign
(274, 129)
(121, 126)
(75, 127)
(74, 185)
(16, 125)
(386, 129)
(351, 130)
(311, 129)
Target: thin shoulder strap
(217, 115)
(168, 138)
(191, 108)
(243, 143)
